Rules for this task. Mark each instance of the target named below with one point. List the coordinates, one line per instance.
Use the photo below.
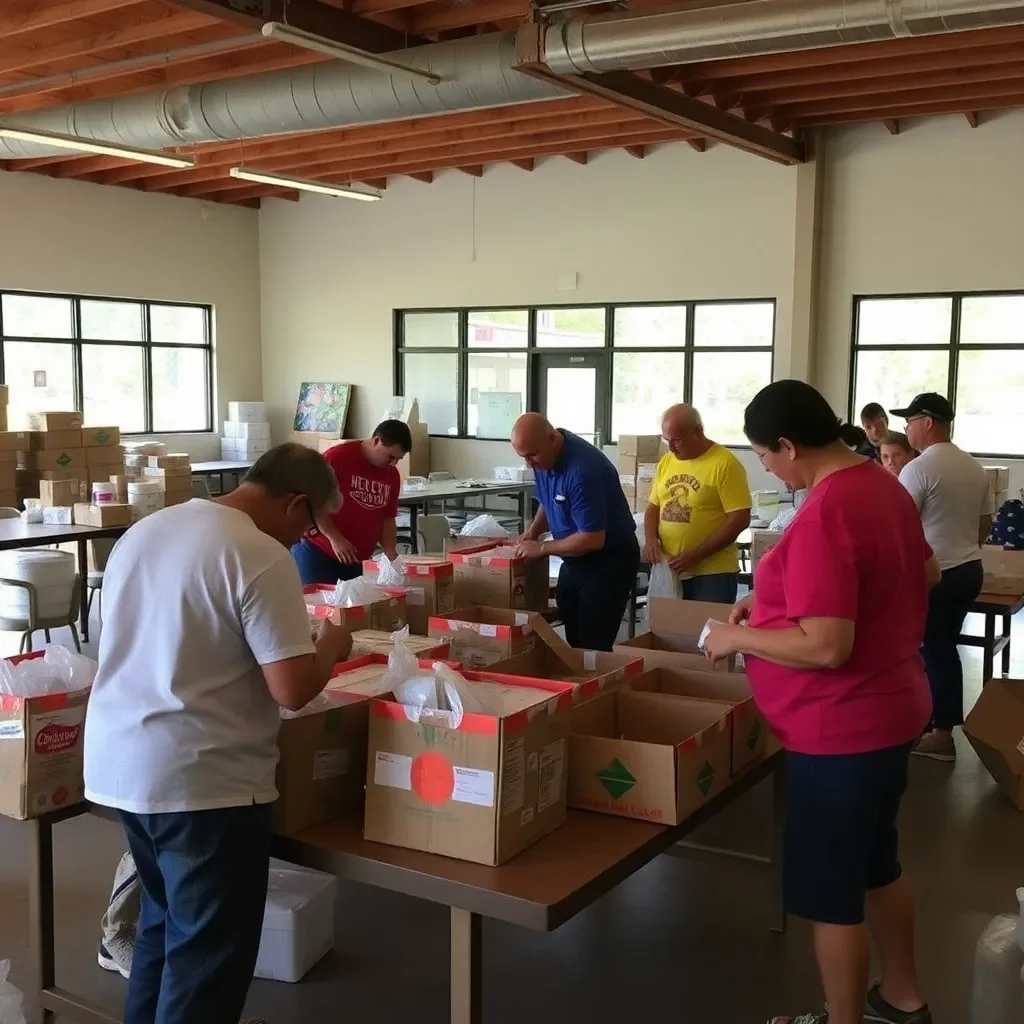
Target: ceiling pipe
(622, 41)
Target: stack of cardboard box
(638, 463)
(10, 442)
(246, 432)
(51, 450)
(104, 457)
(174, 472)
(998, 485)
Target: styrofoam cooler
(298, 923)
(51, 572)
(997, 995)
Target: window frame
(954, 347)
(534, 353)
(145, 344)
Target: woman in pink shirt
(832, 636)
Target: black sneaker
(878, 1011)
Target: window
(145, 367)
(475, 370)
(969, 347)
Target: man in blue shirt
(584, 509)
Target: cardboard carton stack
(417, 462)
(429, 584)
(51, 450)
(638, 463)
(1004, 571)
(246, 432)
(174, 472)
(998, 485)
(491, 574)
(104, 456)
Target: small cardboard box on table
(480, 789)
(674, 629)
(995, 728)
(491, 574)
(385, 615)
(647, 756)
(1004, 571)
(429, 584)
(41, 743)
(481, 636)
(761, 542)
(748, 727)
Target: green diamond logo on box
(616, 779)
(706, 778)
(754, 733)
(63, 459)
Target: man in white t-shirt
(206, 638)
(951, 492)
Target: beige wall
(74, 237)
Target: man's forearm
(719, 538)
(538, 526)
(326, 526)
(574, 545)
(389, 538)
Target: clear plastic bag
(58, 671)
(997, 994)
(485, 526)
(12, 1002)
(76, 670)
(440, 693)
(389, 574)
(356, 593)
(663, 582)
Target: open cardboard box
(375, 641)
(489, 574)
(429, 584)
(1004, 571)
(749, 729)
(479, 789)
(386, 615)
(674, 628)
(480, 636)
(647, 756)
(995, 728)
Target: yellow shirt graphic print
(695, 496)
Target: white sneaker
(116, 955)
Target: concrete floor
(686, 938)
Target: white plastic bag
(58, 671)
(485, 526)
(997, 994)
(440, 692)
(356, 593)
(76, 670)
(12, 1002)
(663, 582)
(389, 574)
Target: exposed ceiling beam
(948, 105)
(524, 165)
(311, 16)
(972, 118)
(425, 176)
(684, 112)
(439, 17)
(578, 158)
(892, 125)
(476, 171)
(53, 13)
(700, 145)
(637, 151)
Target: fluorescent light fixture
(303, 184)
(340, 51)
(80, 145)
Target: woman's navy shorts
(841, 835)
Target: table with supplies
(992, 607)
(220, 468)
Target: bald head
(683, 428)
(536, 441)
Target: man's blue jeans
(204, 889)
(718, 587)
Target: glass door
(570, 393)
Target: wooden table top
(1006, 604)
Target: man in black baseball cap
(951, 492)
(930, 405)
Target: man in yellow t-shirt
(699, 505)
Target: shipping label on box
(322, 767)
(647, 756)
(491, 575)
(749, 730)
(41, 752)
(45, 440)
(480, 636)
(46, 420)
(481, 788)
(100, 437)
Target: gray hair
(295, 469)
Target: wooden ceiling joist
(34, 20)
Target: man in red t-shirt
(369, 485)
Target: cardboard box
(322, 768)
(647, 756)
(749, 729)
(60, 492)
(247, 412)
(642, 467)
(761, 542)
(4, 393)
(386, 615)
(176, 460)
(102, 515)
(67, 460)
(641, 446)
(1004, 571)
(100, 437)
(491, 575)
(104, 455)
(10, 499)
(41, 752)
(995, 728)
(247, 431)
(47, 420)
(674, 627)
(481, 636)
(374, 641)
(14, 440)
(319, 442)
(417, 462)
(45, 440)
(429, 583)
(480, 790)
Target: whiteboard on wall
(497, 412)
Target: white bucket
(103, 493)
(51, 572)
(145, 497)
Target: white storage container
(298, 924)
(145, 497)
(51, 572)
(247, 412)
(997, 995)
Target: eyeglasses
(314, 530)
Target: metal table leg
(988, 661)
(40, 904)
(1007, 626)
(779, 918)
(414, 539)
(466, 963)
(83, 571)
